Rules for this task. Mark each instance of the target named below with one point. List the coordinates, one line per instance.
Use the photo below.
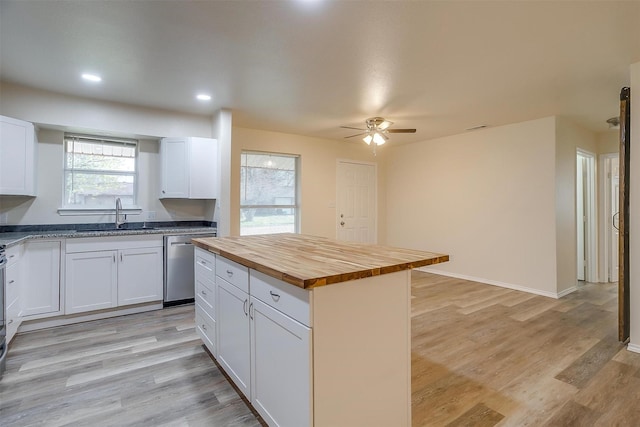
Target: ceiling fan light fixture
(368, 138)
(378, 139)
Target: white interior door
(614, 218)
(356, 202)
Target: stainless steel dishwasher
(179, 283)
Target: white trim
(36, 324)
(606, 161)
(133, 210)
(554, 295)
(633, 347)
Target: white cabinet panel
(41, 292)
(139, 275)
(233, 334)
(189, 168)
(91, 281)
(18, 156)
(281, 367)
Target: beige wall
(634, 209)
(569, 138)
(318, 175)
(487, 198)
(608, 142)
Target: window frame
(296, 207)
(66, 209)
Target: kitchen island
(313, 331)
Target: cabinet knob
(163, 192)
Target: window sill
(131, 210)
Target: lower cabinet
(233, 334)
(280, 367)
(102, 274)
(91, 281)
(261, 341)
(12, 291)
(40, 294)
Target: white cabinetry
(18, 156)
(189, 168)
(139, 275)
(41, 293)
(205, 276)
(107, 272)
(233, 322)
(263, 339)
(280, 367)
(12, 291)
(91, 281)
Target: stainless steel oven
(3, 317)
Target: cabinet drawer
(206, 328)
(205, 266)
(13, 254)
(205, 296)
(289, 299)
(13, 319)
(232, 272)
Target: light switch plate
(151, 215)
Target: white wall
(486, 198)
(318, 175)
(634, 209)
(53, 113)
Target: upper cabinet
(18, 151)
(189, 168)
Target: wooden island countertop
(310, 261)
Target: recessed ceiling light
(203, 97)
(92, 77)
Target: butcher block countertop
(310, 261)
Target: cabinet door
(40, 293)
(17, 157)
(91, 281)
(203, 168)
(280, 367)
(139, 275)
(174, 168)
(233, 334)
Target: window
(97, 170)
(268, 193)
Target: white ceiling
(308, 67)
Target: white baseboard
(633, 347)
(51, 322)
(555, 295)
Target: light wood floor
(481, 356)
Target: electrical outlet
(151, 215)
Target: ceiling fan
(376, 131)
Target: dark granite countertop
(13, 235)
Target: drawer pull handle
(229, 273)
(204, 293)
(204, 327)
(244, 307)
(10, 321)
(203, 262)
(11, 281)
(251, 311)
(12, 256)
(274, 295)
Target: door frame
(590, 237)
(375, 194)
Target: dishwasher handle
(181, 243)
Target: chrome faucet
(118, 209)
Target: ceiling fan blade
(401, 130)
(349, 127)
(357, 134)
